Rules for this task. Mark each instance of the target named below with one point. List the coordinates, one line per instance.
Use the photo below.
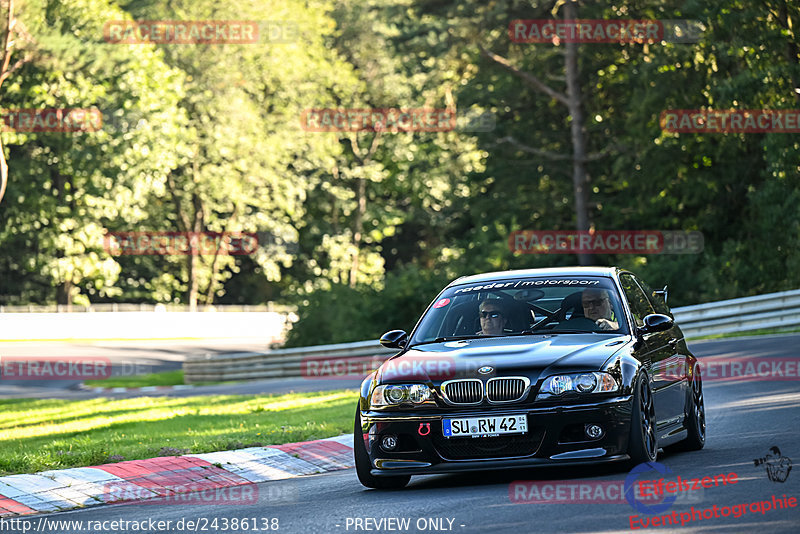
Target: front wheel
(363, 465)
(643, 441)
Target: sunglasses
(490, 314)
(590, 303)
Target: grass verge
(36, 435)
(164, 378)
(762, 332)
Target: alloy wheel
(699, 406)
(647, 412)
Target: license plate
(484, 427)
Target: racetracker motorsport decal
(527, 283)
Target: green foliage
(164, 378)
(367, 227)
(342, 314)
(64, 189)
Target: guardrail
(281, 363)
(774, 310)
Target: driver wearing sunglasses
(493, 318)
(597, 308)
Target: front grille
(505, 389)
(463, 391)
(497, 447)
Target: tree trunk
(64, 294)
(580, 178)
(194, 256)
(791, 50)
(3, 171)
(361, 198)
(212, 283)
(194, 284)
(8, 43)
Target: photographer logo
(777, 465)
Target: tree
(73, 185)
(250, 167)
(11, 32)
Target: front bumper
(555, 436)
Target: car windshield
(520, 306)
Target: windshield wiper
(532, 333)
(580, 332)
(523, 333)
(547, 332)
(459, 338)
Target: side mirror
(656, 322)
(394, 339)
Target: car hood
(530, 356)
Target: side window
(655, 299)
(637, 300)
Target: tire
(695, 417)
(363, 465)
(643, 440)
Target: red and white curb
(67, 489)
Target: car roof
(608, 272)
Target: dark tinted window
(541, 305)
(655, 299)
(637, 300)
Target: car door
(656, 354)
(677, 362)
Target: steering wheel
(580, 323)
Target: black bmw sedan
(523, 368)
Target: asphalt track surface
(744, 419)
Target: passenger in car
(493, 317)
(597, 307)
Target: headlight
(586, 383)
(579, 383)
(397, 394)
